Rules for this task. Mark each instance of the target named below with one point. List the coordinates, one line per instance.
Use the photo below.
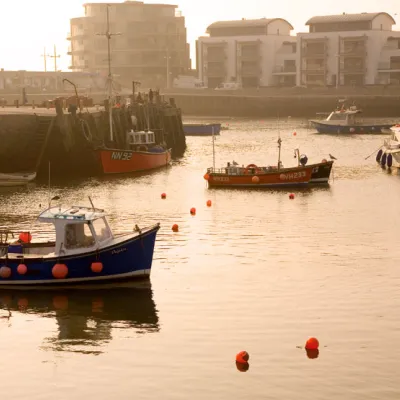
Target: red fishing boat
(253, 176)
(143, 155)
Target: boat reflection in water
(86, 316)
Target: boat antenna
(91, 202)
(109, 35)
(279, 144)
(213, 147)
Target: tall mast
(279, 144)
(213, 147)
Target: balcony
(284, 70)
(255, 56)
(249, 71)
(353, 69)
(215, 72)
(219, 57)
(388, 67)
(315, 53)
(349, 51)
(314, 68)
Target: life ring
(86, 130)
(142, 147)
(252, 166)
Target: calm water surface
(256, 272)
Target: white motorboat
(16, 178)
(391, 148)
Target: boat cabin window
(143, 138)
(101, 229)
(78, 236)
(337, 117)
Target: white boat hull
(16, 179)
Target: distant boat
(201, 129)
(345, 121)
(16, 178)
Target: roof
(246, 23)
(346, 18)
(75, 213)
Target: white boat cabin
(343, 117)
(78, 229)
(141, 138)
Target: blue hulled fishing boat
(84, 251)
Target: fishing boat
(346, 121)
(16, 178)
(84, 251)
(143, 154)
(201, 129)
(391, 148)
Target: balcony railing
(317, 53)
(314, 67)
(387, 66)
(284, 69)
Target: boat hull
(321, 172)
(201, 129)
(16, 179)
(115, 161)
(287, 177)
(129, 257)
(322, 127)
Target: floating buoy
(22, 269)
(163, 196)
(209, 203)
(242, 357)
(291, 196)
(352, 130)
(242, 367)
(25, 237)
(96, 267)
(255, 179)
(294, 133)
(379, 155)
(59, 271)
(383, 159)
(193, 211)
(312, 354)
(206, 176)
(175, 228)
(389, 160)
(5, 272)
(312, 344)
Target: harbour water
(255, 271)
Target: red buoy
(163, 196)
(175, 228)
(294, 133)
(25, 237)
(22, 269)
(209, 203)
(5, 272)
(242, 357)
(193, 211)
(206, 176)
(242, 367)
(255, 179)
(59, 271)
(291, 196)
(312, 344)
(96, 267)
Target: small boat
(391, 148)
(84, 251)
(345, 120)
(143, 155)
(16, 178)
(201, 129)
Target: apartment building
(151, 46)
(251, 53)
(349, 50)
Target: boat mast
(213, 143)
(279, 145)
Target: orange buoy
(255, 179)
(22, 269)
(291, 196)
(324, 160)
(96, 267)
(242, 367)
(25, 237)
(59, 271)
(163, 196)
(206, 176)
(193, 211)
(5, 272)
(294, 133)
(312, 344)
(175, 228)
(209, 203)
(242, 357)
(312, 354)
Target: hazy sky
(27, 26)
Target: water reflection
(86, 317)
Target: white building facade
(251, 53)
(349, 50)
